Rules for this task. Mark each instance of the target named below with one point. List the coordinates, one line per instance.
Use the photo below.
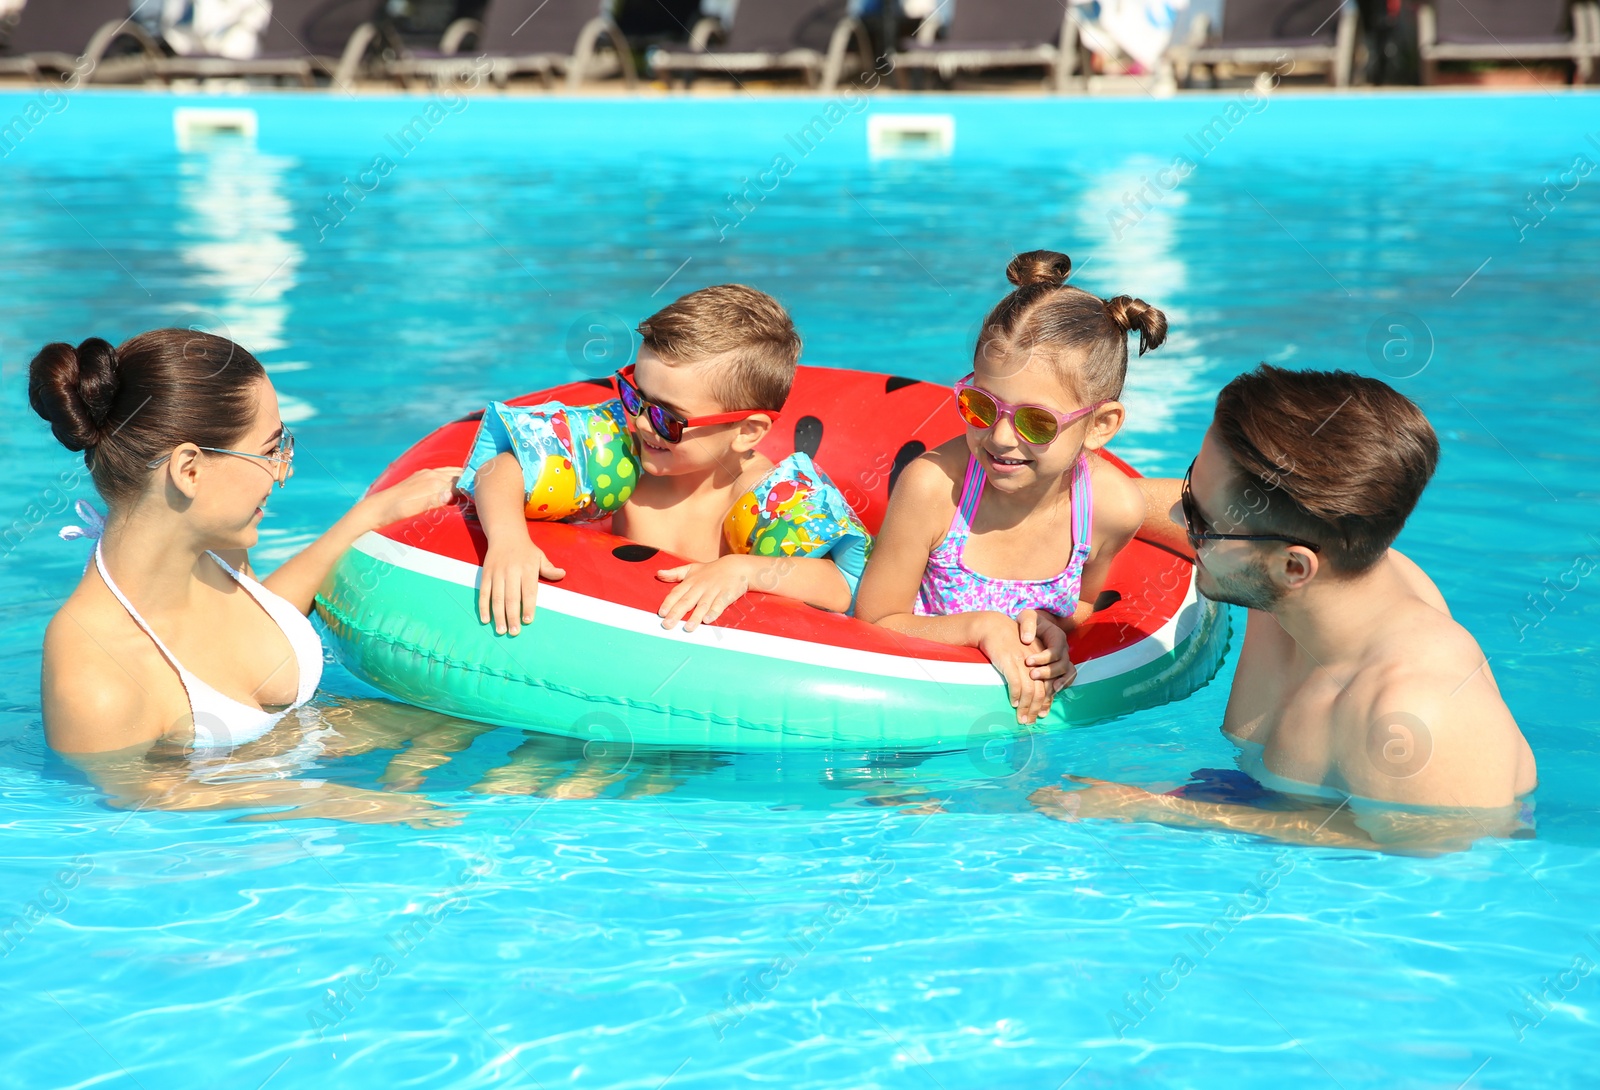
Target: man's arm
(1163, 522)
(1334, 825)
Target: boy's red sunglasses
(667, 424)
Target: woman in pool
(1002, 538)
(168, 637)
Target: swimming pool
(798, 920)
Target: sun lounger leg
(1586, 29)
(848, 29)
(354, 51)
(588, 38)
(1427, 38)
(95, 52)
(1066, 64)
(1345, 47)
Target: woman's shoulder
(93, 701)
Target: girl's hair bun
(1039, 267)
(1129, 314)
(74, 388)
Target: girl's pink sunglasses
(1035, 424)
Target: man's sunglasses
(667, 424)
(1035, 425)
(1198, 529)
(281, 460)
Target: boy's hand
(1051, 664)
(703, 590)
(1000, 641)
(511, 573)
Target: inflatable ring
(771, 673)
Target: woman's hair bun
(74, 388)
(1039, 267)
(1129, 314)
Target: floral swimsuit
(949, 586)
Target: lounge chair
(526, 37)
(302, 40)
(773, 36)
(1273, 32)
(989, 34)
(657, 22)
(67, 36)
(1508, 30)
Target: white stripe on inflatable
(1174, 631)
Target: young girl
(1001, 539)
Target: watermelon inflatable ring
(771, 673)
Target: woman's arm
(302, 575)
(135, 779)
(91, 719)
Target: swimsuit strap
(971, 493)
(1082, 505)
(100, 566)
(219, 719)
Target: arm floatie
(577, 462)
(796, 511)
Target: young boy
(673, 460)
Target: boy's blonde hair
(749, 327)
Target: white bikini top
(221, 720)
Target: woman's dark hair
(1045, 314)
(125, 407)
(1340, 458)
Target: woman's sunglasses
(280, 460)
(1198, 529)
(667, 424)
(1035, 425)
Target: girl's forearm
(955, 629)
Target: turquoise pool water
(798, 922)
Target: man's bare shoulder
(1425, 723)
(1417, 580)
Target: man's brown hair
(1341, 458)
(750, 327)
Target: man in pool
(1354, 684)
